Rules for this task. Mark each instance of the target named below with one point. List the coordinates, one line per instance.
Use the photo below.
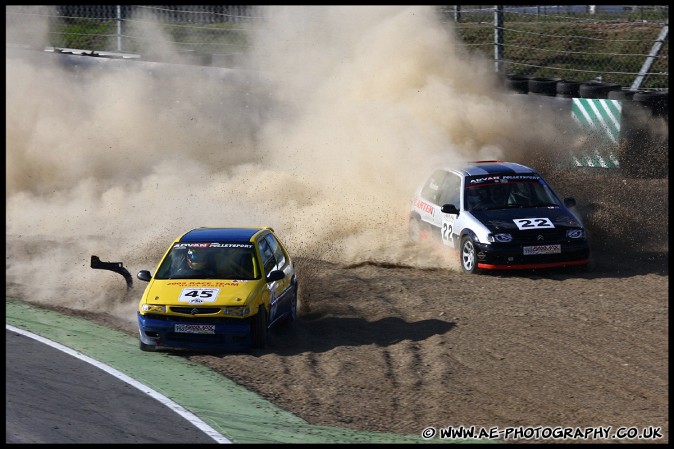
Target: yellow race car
(218, 289)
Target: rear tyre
(468, 255)
(414, 230)
(258, 329)
(293, 305)
(419, 231)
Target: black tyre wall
(596, 89)
(568, 89)
(517, 83)
(644, 136)
(655, 102)
(543, 86)
(621, 94)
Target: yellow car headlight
(153, 308)
(236, 311)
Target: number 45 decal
(198, 295)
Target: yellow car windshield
(209, 261)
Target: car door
(281, 302)
(428, 204)
(450, 193)
(269, 265)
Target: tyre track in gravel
(492, 356)
(391, 348)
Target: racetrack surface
(393, 348)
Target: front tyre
(147, 348)
(468, 255)
(258, 328)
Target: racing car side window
(431, 190)
(278, 252)
(451, 190)
(268, 260)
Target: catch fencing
(622, 44)
(604, 66)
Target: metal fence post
(639, 80)
(119, 28)
(498, 38)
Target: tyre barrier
(655, 102)
(543, 86)
(622, 94)
(628, 127)
(644, 143)
(517, 83)
(568, 89)
(597, 89)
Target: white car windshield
(488, 196)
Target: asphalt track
(55, 395)
(222, 409)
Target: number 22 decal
(533, 223)
(447, 227)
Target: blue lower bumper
(230, 336)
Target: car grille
(540, 237)
(196, 310)
(193, 319)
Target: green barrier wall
(601, 118)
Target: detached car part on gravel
(218, 290)
(117, 267)
(498, 216)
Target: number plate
(542, 249)
(195, 328)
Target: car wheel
(414, 230)
(147, 348)
(292, 315)
(293, 305)
(468, 256)
(419, 231)
(258, 328)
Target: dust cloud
(337, 115)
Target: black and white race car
(498, 216)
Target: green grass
(574, 51)
(576, 47)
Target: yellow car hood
(199, 292)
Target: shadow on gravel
(340, 331)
